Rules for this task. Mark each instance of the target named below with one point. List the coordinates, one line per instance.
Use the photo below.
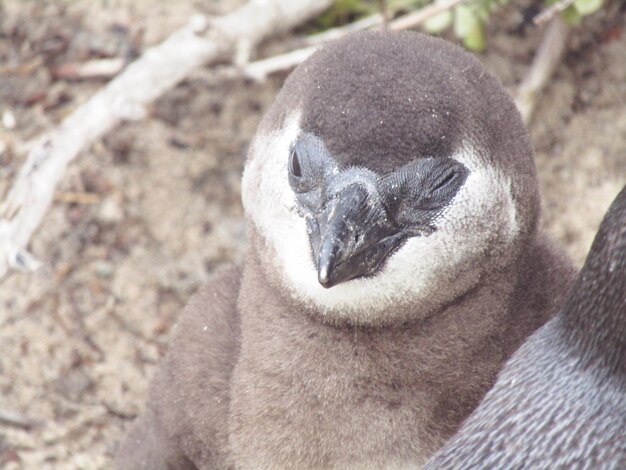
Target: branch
(545, 62)
(384, 11)
(552, 10)
(260, 69)
(126, 97)
(97, 68)
(339, 32)
(13, 418)
(418, 17)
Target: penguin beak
(352, 236)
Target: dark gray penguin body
(560, 401)
(394, 264)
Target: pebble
(110, 211)
(8, 120)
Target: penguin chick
(560, 401)
(394, 263)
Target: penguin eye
(444, 181)
(294, 164)
(417, 192)
(299, 172)
(308, 164)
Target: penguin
(560, 401)
(394, 262)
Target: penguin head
(391, 175)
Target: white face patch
(473, 234)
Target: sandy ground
(79, 341)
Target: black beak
(352, 237)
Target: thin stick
(97, 68)
(260, 69)
(384, 11)
(552, 10)
(18, 420)
(415, 18)
(339, 32)
(546, 59)
(77, 197)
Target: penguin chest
(332, 420)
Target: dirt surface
(150, 212)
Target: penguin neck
(335, 382)
(480, 305)
(464, 342)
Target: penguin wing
(184, 425)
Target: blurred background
(149, 212)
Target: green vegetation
(467, 19)
(574, 13)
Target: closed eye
(445, 181)
(417, 192)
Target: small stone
(8, 120)
(103, 269)
(74, 384)
(110, 211)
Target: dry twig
(416, 18)
(260, 69)
(545, 62)
(552, 10)
(339, 32)
(74, 197)
(18, 420)
(384, 11)
(96, 68)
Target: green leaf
(469, 28)
(464, 21)
(475, 40)
(571, 16)
(586, 7)
(340, 13)
(482, 10)
(439, 22)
